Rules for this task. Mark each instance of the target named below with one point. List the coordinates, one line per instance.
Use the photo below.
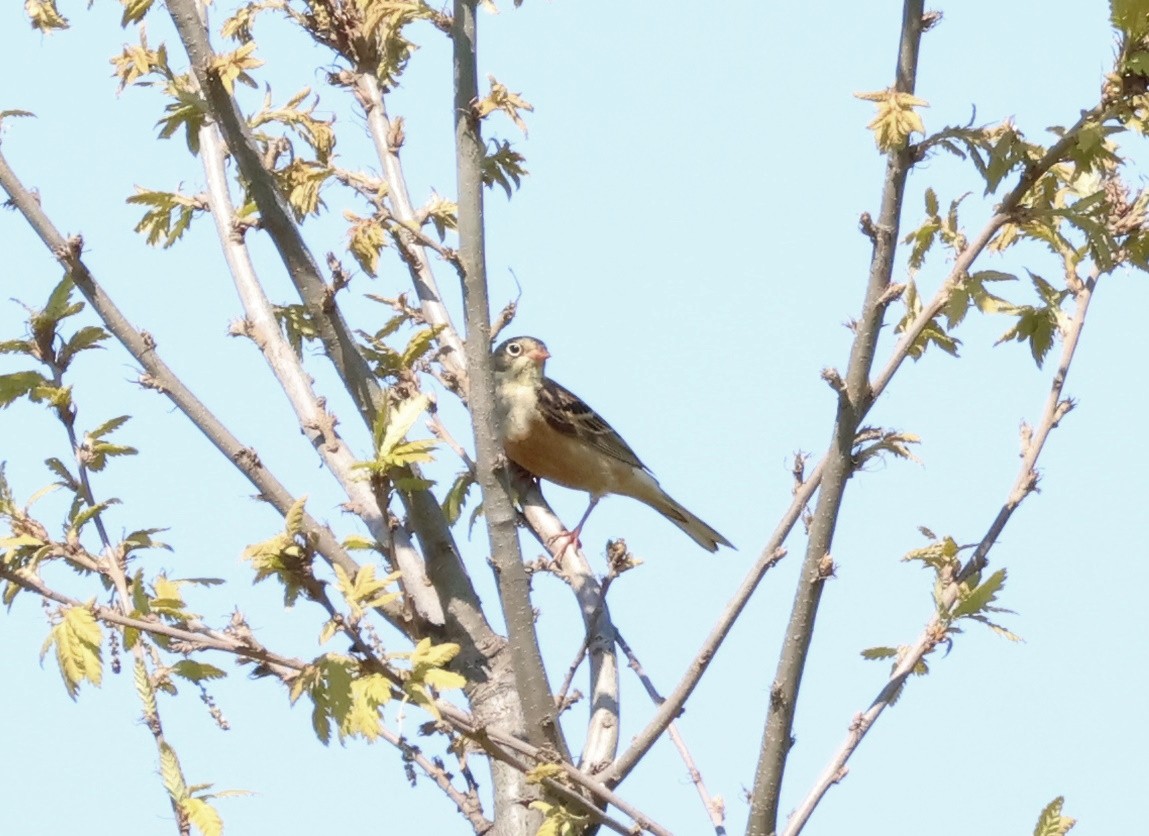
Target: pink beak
(539, 355)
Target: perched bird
(550, 432)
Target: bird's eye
(514, 349)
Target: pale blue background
(687, 247)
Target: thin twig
(202, 638)
(495, 742)
(673, 704)
(715, 809)
(466, 803)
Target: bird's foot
(561, 542)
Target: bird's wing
(568, 414)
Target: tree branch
(275, 216)
(715, 809)
(854, 400)
(317, 424)
(1023, 485)
(161, 378)
(542, 727)
(426, 288)
(603, 721)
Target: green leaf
(187, 110)
(1051, 822)
(433, 655)
(142, 539)
(978, 599)
(18, 385)
(233, 66)
(366, 241)
(294, 518)
(875, 653)
(501, 166)
(197, 671)
(363, 592)
(420, 343)
(456, 497)
(400, 419)
(502, 99)
(168, 218)
(87, 338)
(77, 638)
(444, 214)
(557, 820)
(1131, 17)
(357, 542)
(301, 181)
(896, 118)
(368, 694)
(172, 774)
(931, 334)
(134, 10)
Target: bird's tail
(695, 528)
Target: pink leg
(568, 538)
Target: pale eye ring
(514, 349)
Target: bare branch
(542, 727)
(715, 809)
(603, 723)
(466, 803)
(929, 637)
(853, 402)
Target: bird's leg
(568, 538)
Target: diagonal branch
(602, 735)
(673, 704)
(382, 133)
(315, 421)
(158, 376)
(275, 216)
(1024, 483)
(715, 809)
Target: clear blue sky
(687, 245)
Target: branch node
(832, 377)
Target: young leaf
(1051, 822)
(77, 639)
(233, 66)
(896, 118)
(202, 815)
(18, 385)
(978, 599)
(44, 15)
(502, 99)
(197, 671)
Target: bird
(551, 433)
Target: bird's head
(522, 358)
